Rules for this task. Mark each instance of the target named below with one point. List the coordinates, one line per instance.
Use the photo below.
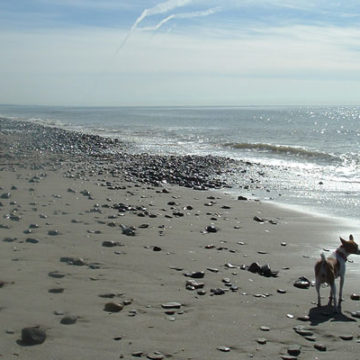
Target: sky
(179, 52)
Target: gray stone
(33, 335)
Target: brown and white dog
(328, 269)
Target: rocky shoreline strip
(22, 139)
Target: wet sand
(110, 266)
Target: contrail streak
(181, 16)
(160, 8)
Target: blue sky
(179, 52)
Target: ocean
(306, 157)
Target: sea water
(308, 157)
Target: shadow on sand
(321, 314)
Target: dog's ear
(343, 241)
(351, 238)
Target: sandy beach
(109, 268)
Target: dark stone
(302, 283)
(113, 307)
(254, 267)
(69, 320)
(33, 335)
(211, 229)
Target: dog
(328, 269)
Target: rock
(346, 337)
(302, 330)
(294, 350)
(69, 320)
(113, 307)
(356, 314)
(156, 248)
(5, 195)
(110, 243)
(195, 274)
(33, 335)
(355, 297)
(171, 305)
(223, 348)
(128, 231)
(155, 356)
(211, 229)
(73, 261)
(264, 328)
(243, 198)
(217, 291)
(258, 219)
(281, 291)
(56, 290)
(32, 241)
(193, 285)
(254, 267)
(261, 341)
(53, 232)
(320, 346)
(302, 283)
(303, 318)
(56, 274)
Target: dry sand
(51, 223)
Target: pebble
(110, 243)
(113, 307)
(223, 348)
(346, 337)
(261, 341)
(211, 229)
(171, 305)
(302, 330)
(302, 283)
(69, 320)
(33, 335)
(56, 290)
(56, 274)
(355, 297)
(32, 241)
(281, 291)
(320, 346)
(264, 328)
(53, 232)
(303, 318)
(155, 356)
(294, 350)
(195, 274)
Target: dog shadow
(322, 314)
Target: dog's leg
(317, 285)
(341, 291)
(333, 292)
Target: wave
(283, 149)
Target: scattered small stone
(320, 346)
(214, 270)
(110, 243)
(5, 195)
(137, 353)
(302, 283)
(113, 307)
(288, 357)
(56, 274)
(258, 219)
(32, 241)
(69, 320)
(127, 230)
(281, 291)
(33, 335)
(243, 198)
(302, 330)
(155, 356)
(73, 261)
(355, 297)
(211, 229)
(56, 290)
(223, 348)
(294, 350)
(193, 285)
(261, 341)
(303, 318)
(217, 291)
(195, 274)
(347, 337)
(356, 314)
(171, 305)
(156, 248)
(264, 328)
(310, 338)
(53, 232)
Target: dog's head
(350, 246)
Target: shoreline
(77, 235)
